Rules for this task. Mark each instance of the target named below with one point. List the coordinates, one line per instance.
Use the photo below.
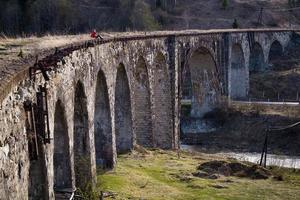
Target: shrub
(225, 4)
(235, 24)
(142, 18)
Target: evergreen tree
(142, 18)
(225, 4)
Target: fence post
(263, 159)
(101, 195)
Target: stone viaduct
(96, 99)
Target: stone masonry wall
(162, 57)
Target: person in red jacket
(95, 35)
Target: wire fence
(269, 96)
(273, 129)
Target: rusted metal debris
(31, 130)
(41, 115)
(50, 62)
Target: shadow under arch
(82, 159)
(238, 73)
(257, 59)
(123, 115)
(61, 154)
(102, 125)
(205, 81)
(162, 104)
(142, 105)
(276, 51)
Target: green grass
(161, 175)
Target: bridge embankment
(243, 125)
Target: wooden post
(263, 158)
(266, 150)
(101, 195)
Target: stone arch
(61, 152)
(257, 58)
(82, 161)
(205, 82)
(276, 51)
(102, 125)
(238, 73)
(123, 116)
(162, 103)
(142, 105)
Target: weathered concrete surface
(148, 89)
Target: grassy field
(162, 175)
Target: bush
(235, 24)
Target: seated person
(95, 35)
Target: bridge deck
(13, 68)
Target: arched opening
(162, 100)
(276, 52)
(82, 161)
(257, 59)
(123, 117)
(142, 105)
(102, 124)
(205, 82)
(199, 112)
(61, 154)
(238, 74)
